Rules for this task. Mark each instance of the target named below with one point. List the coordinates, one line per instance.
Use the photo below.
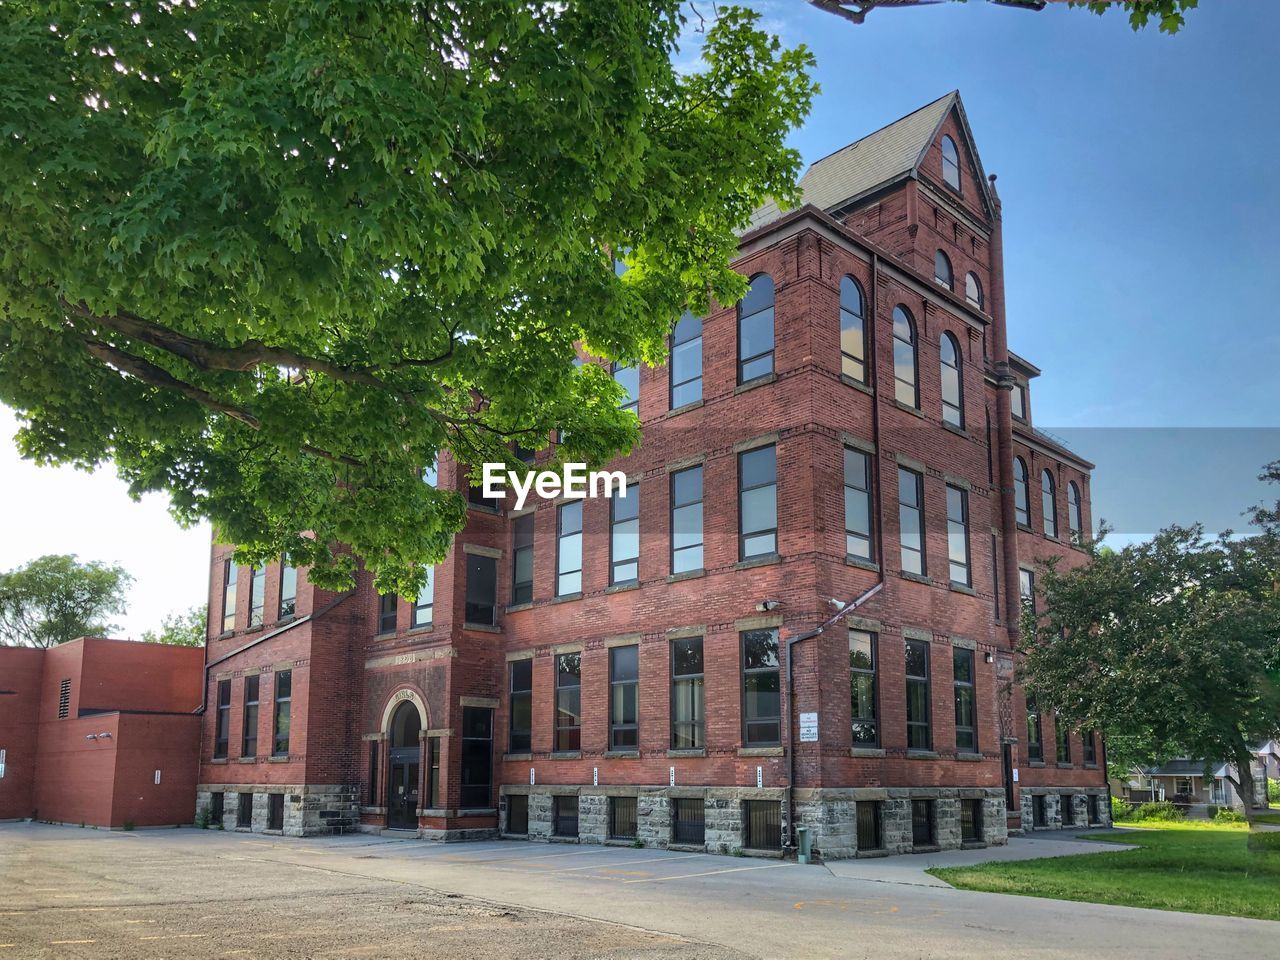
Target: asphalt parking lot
(67, 892)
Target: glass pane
(756, 336)
(917, 658)
(758, 467)
(757, 368)
(521, 675)
(759, 509)
(626, 663)
(686, 487)
(687, 327)
(760, 649)
(686, 657)
(686, 526)
(570, 553)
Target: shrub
(129, 825)
(1121, 809)
(1273, 790)
(203, 817)
(1227, 815)
(1163, 810)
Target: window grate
(922, 823)
(1068, 810)
(622, 818)
(970, 819)
(868, 812)
(566, 817)
(244, 810)
(688, 822)
(275, 811)
(764, 824)
(64, 699)
(518, 814)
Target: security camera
(836, 602)
(764, 606)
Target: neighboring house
(100, 732)
(1184, 781)
(1268, 755)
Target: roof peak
(953, 94)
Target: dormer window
(950, 164)
(1018, 401)
(942, 270)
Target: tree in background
(272, 258)
(1175, 640)
(1170, 15)
(54, 599)
(180, 629)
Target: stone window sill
(517, 756)
(970, 757)
(421, 629)
(858, 385)
(623, 587)
(565, 755)
(762, 561)
(760, 751)
(484, 508)
(374, 811)
(676, 411)
(567, 597)
(246, 760)
(686, 575)
(861, 563)
(434, 812)
(517, 607)
(1065, 766)
(958, 431)
(963, 588)
(907, 408)
(868, 753)
(915, 577)
(623, 754)
(922, 755)
(482, 627)
(759, 381)
(218, 760)
(1039, 764)
(474, 812)
(277, 759)
(700, 752)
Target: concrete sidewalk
(910, 868)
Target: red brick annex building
(646, 668)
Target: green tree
(1175, 640)
(54, 599)
(180, 629)
(272, 257)
(1169, 15)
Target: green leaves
(54, 599)
(271, 258)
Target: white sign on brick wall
(808, 728)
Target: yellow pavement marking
(175, 936)
(708, 873)
(5, 946)
(71, 941)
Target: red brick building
(100, 732)
(652, 667)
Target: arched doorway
(403, 766)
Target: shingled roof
(891, 153)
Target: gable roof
(891, 153)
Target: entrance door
(402, 796)
(404, 770)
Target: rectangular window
(624, 536)
(862, 688)
(518, 814)
(687, 712)
(433, 773)
(3, 755)
(565, 813)
(275, 811)
(857, 504)
(476, 497)
(568, 702)
(217, 808)
(757, 503)
(995, 576)
(629, 379)
(222, 722)
(288, 591)
(569, 548)
(280, 728)
(970, 820)
(482, 590)
(477, 758)
(387, 604)
(1067, 810)
(1089, 747)
(868, 814)
(520, 704)
(763, 824)
(244, 810)
(917, 662)
(688, 820)
(686, 361)
(230, 576)
(64, 698)
(423, 606)
(249, 740)
(371, 793)
(686, 520)
(958, 536)
(911, 520)
(966, 707)
(922, 823)
(1027, 588)
(1035, 738)
(761, 689)
(622, 818)
(624, 698)
(522, 559)
(1063, 739)
(1018, 401)
(257, 595)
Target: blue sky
(1142, 229)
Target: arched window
(1074, 524)
(755, 330)
(1049, 504)
(1021, 499)
(950, 163)
(905, 388)
(952, 387)
(853, 331)
(942, 270)
(686, 361)
(973, 290)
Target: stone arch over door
(403, 695)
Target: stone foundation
(309, 809)
(1053, 800)
(830, 815)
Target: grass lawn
(1195, 867)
